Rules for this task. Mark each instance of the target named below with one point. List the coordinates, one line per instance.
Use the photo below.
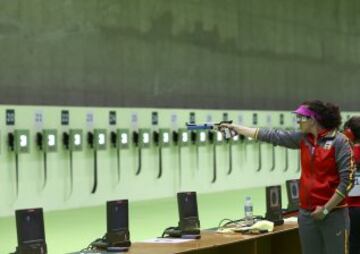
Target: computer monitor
(189, 222)
(273, 204)
(117, 215)
(30, 231)
(118, 223)
(292, 189)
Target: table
(283, 240)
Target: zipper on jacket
(313, 148)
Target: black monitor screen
(187, 204)
(30, 226)
(273, 197)
(292, 189)
(117, 215)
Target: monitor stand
(275, 217)
(34, 248)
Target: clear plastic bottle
(248, 208)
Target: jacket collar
(323, 134)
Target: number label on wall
(208, 118)
(240, 120)
(192, 117)
(89, 120)
(254, 119)
(281, 119)
(65, 117)
(269, 120)
(154, 118)
(225, 116)
(112, 118)
(174, 120)
(10, 117)
(134, 120)
(38, 119)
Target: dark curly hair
(354, 125)
(328, 114)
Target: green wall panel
(184, 168)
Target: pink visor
(305, 111)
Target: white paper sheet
(291, 220)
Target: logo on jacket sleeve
(328, 144)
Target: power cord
(171, 232)
(230, 221)
(93, 246)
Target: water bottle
(248, 208)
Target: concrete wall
(182, 54)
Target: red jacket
(355, 201)
(327, 165)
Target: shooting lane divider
(46, 141)
(136, 142)
(193, 135)
(45, 171)
(156, 140)
(118, 162)
(281, 122)
(163, 141)
(39, 143)
(212, 141)
(255, 123)
(71, 174)
(214, 164)
(141, 139)
(229, 141)
(17, 173)
(230, 158)
(234, 140)
(273, 158)
(18, 142)
(66, 141)
(181, 138)
(286, 159)
(95, 173)
(90, 139)
(96, 141)
(160, 164)
(119, 140)
(259, 157)
(176, 141)
(217, 137)
(72, 142)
